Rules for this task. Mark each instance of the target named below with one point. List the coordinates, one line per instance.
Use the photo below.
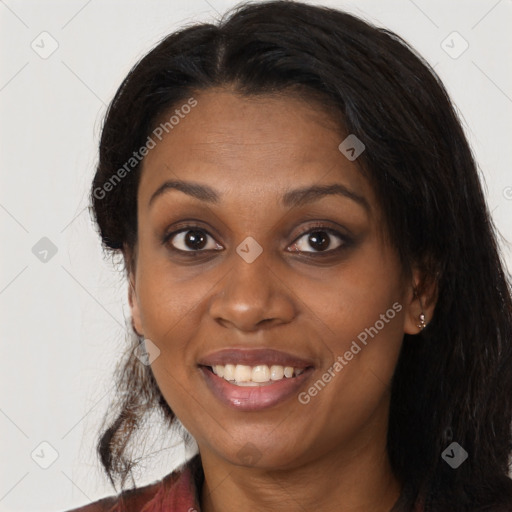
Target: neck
(335, 482)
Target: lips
(259, 397)
(254, 357)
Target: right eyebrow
(197, 190)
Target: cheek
(363, 335)
(359, 316)
(363, 349)
(355, 298)
(168, 300)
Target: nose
(252, 296)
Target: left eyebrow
(300, 196)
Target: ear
(421, 298)
(132, 294)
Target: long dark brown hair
(453, 382)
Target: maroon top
(178, 492)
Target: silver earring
(422, 323)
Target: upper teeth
(253, 375)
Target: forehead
(263, 143)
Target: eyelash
(345, 240)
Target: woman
(313, 273)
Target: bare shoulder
(130, 500)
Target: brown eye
(320, 240)
(191, 240)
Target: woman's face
(261, 265)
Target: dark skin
(251, 151)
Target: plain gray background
(64, 315)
